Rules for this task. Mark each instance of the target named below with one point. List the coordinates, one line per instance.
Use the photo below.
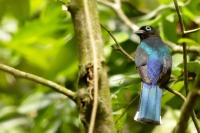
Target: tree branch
(160, 8)
(39, 80)
(176, 93)
(195, 120)
(156, 11)
(117, 46)
(88, 20)
(181, 125)
(178, 49)
(182, 97)
(116, 6)
(186, 111)
(191, 31)
(183, 45)
(94, 78)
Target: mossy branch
(186, 111)
(94, 78)
(38, 79)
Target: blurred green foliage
(37, 36)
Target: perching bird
(153, 61)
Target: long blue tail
(149, 108)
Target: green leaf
(177, 59)
(6, 111)
(193, 66)
(13, 124)
(177, 71)
(120, 118)
(188, 41)
(36, 102)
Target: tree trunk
(88, 35)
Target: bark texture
(88, 37)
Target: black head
(145, 32)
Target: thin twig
(184, 46)
(117, 46)
(107, 3)
(39, 80)
(161, 8)
(178, 49)
(191, 31)
(156, 11)
(176, 93)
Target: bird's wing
(166, 70)
(141, 63)
(143, 74)
(140, 56)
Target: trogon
(153, 61)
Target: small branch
(193, 115)
(179, 17)
(116, 6)
(120, 49)
(176, 93)
(125, 19)
(93, 45)
(191, 31)
(183, 33)
(191, 49)
(182, 125)
(117, 46)
(183, 45)
(156, 11)
(107, 3)
(39, 80)
(195, 120)
(186, 111)
(178, 49)
(161, 8)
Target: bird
(153, 62)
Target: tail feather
(149, 108)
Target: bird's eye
(148, 28)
